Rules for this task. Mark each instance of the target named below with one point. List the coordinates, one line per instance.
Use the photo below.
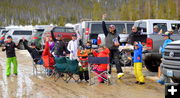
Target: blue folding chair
(98, 60)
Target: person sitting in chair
(102, 52)
(35, 53)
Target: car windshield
(22, 33)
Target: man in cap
(155, 29)
(113, 42)
(59, 45)
(73, 46)
(11, 56)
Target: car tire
(124, 61)
(176, 80)
(152, 63)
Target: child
(83, 62)
(137, 59)
(102, 52)
(11, 56)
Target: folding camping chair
(98, 60)
(66, 67)
(37, 64)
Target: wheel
(176, 80)
(21, 46)
(152, 63)
(124, 61)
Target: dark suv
(170, 65)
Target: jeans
(114, 56)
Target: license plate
(169, 73)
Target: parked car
(2, 35)
(152, 57)
(92, 30)
(170, 65)
(66, 33)
(18, 34)
(37, 35)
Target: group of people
(58, 48)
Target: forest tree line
(26, 12)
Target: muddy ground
(27, 85)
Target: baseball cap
(9, 37)
(166, 34)
(155, 26)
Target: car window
(129, 27)
(97, 28)
(70, 30)
(22, 33)
(4, 32)
(59, 30)
(142, 27)
(162, 27)
(120, 28)
(176, 28)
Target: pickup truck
(92, 31)
(151, 56)
(170, 65)
(66, 33)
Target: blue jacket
(167, 41)
(138, 53)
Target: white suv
(18, 34)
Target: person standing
(73, 46)
(167, 40)
(59, 45)
(112, 42)
(137, 60)
(11, 56)
(133, 34)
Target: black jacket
(133, 37)
(109, 37)
(10, 49)
(59, 46)
(35, 53)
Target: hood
(106, 51)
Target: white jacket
(73, 47)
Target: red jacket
(104, 53)
(48, 57)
